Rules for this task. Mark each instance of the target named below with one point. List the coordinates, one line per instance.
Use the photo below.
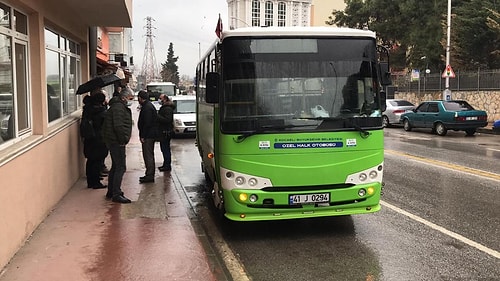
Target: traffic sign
(448, 72)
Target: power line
(149, 68)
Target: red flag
(218, 29)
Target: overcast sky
(188, 24)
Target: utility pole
(447, 91)
(149, 69)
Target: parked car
(441, 116)
(395, 107)
(184, 114)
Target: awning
(117, 13)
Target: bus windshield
(298, 84)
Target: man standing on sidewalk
(116, 132)
(166, 121)
(148, 133)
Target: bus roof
(298, 31)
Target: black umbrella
(97, 82)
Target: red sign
(448, 72)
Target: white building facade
(245, 13)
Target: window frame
(69, 60)
(16, 32)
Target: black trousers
(93, 171)
(148, 153)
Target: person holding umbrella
(94, 148)
(116, 132)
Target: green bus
(289, 122)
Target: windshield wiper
(362, 132)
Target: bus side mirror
(212, 87)
(385, 75)
(383, 99)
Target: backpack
(87, 128)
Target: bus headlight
(239, 180)
(361, 192)
(373, 174)
(362, 177)
(253, 198)
(252, 182)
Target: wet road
(439, 219)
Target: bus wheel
(218, 199)
(208, 181)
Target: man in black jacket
(148, 133)
(166, 122)
(116, 132)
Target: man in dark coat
(94, 148)
(166, 122)
(148, 134)
(116, 132)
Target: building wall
(38, 167)
(322, 9)
(298, 12)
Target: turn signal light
(370, 190)
(243, 197)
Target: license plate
(471, 118)
(191, 129)
(298, 199)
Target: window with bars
(255, 13)
(281, 14)
(269, 13)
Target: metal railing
(481, 80)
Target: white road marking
(443, 230)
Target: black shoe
(110, 195)
(98, 186)
(121, 199)
(146, 179)
(165, 169)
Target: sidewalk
(89, 238)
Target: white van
(184, 115)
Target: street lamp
(427, 70)
(447, 91)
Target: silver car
(395, 107)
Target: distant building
(245, 13)
(322, 9)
